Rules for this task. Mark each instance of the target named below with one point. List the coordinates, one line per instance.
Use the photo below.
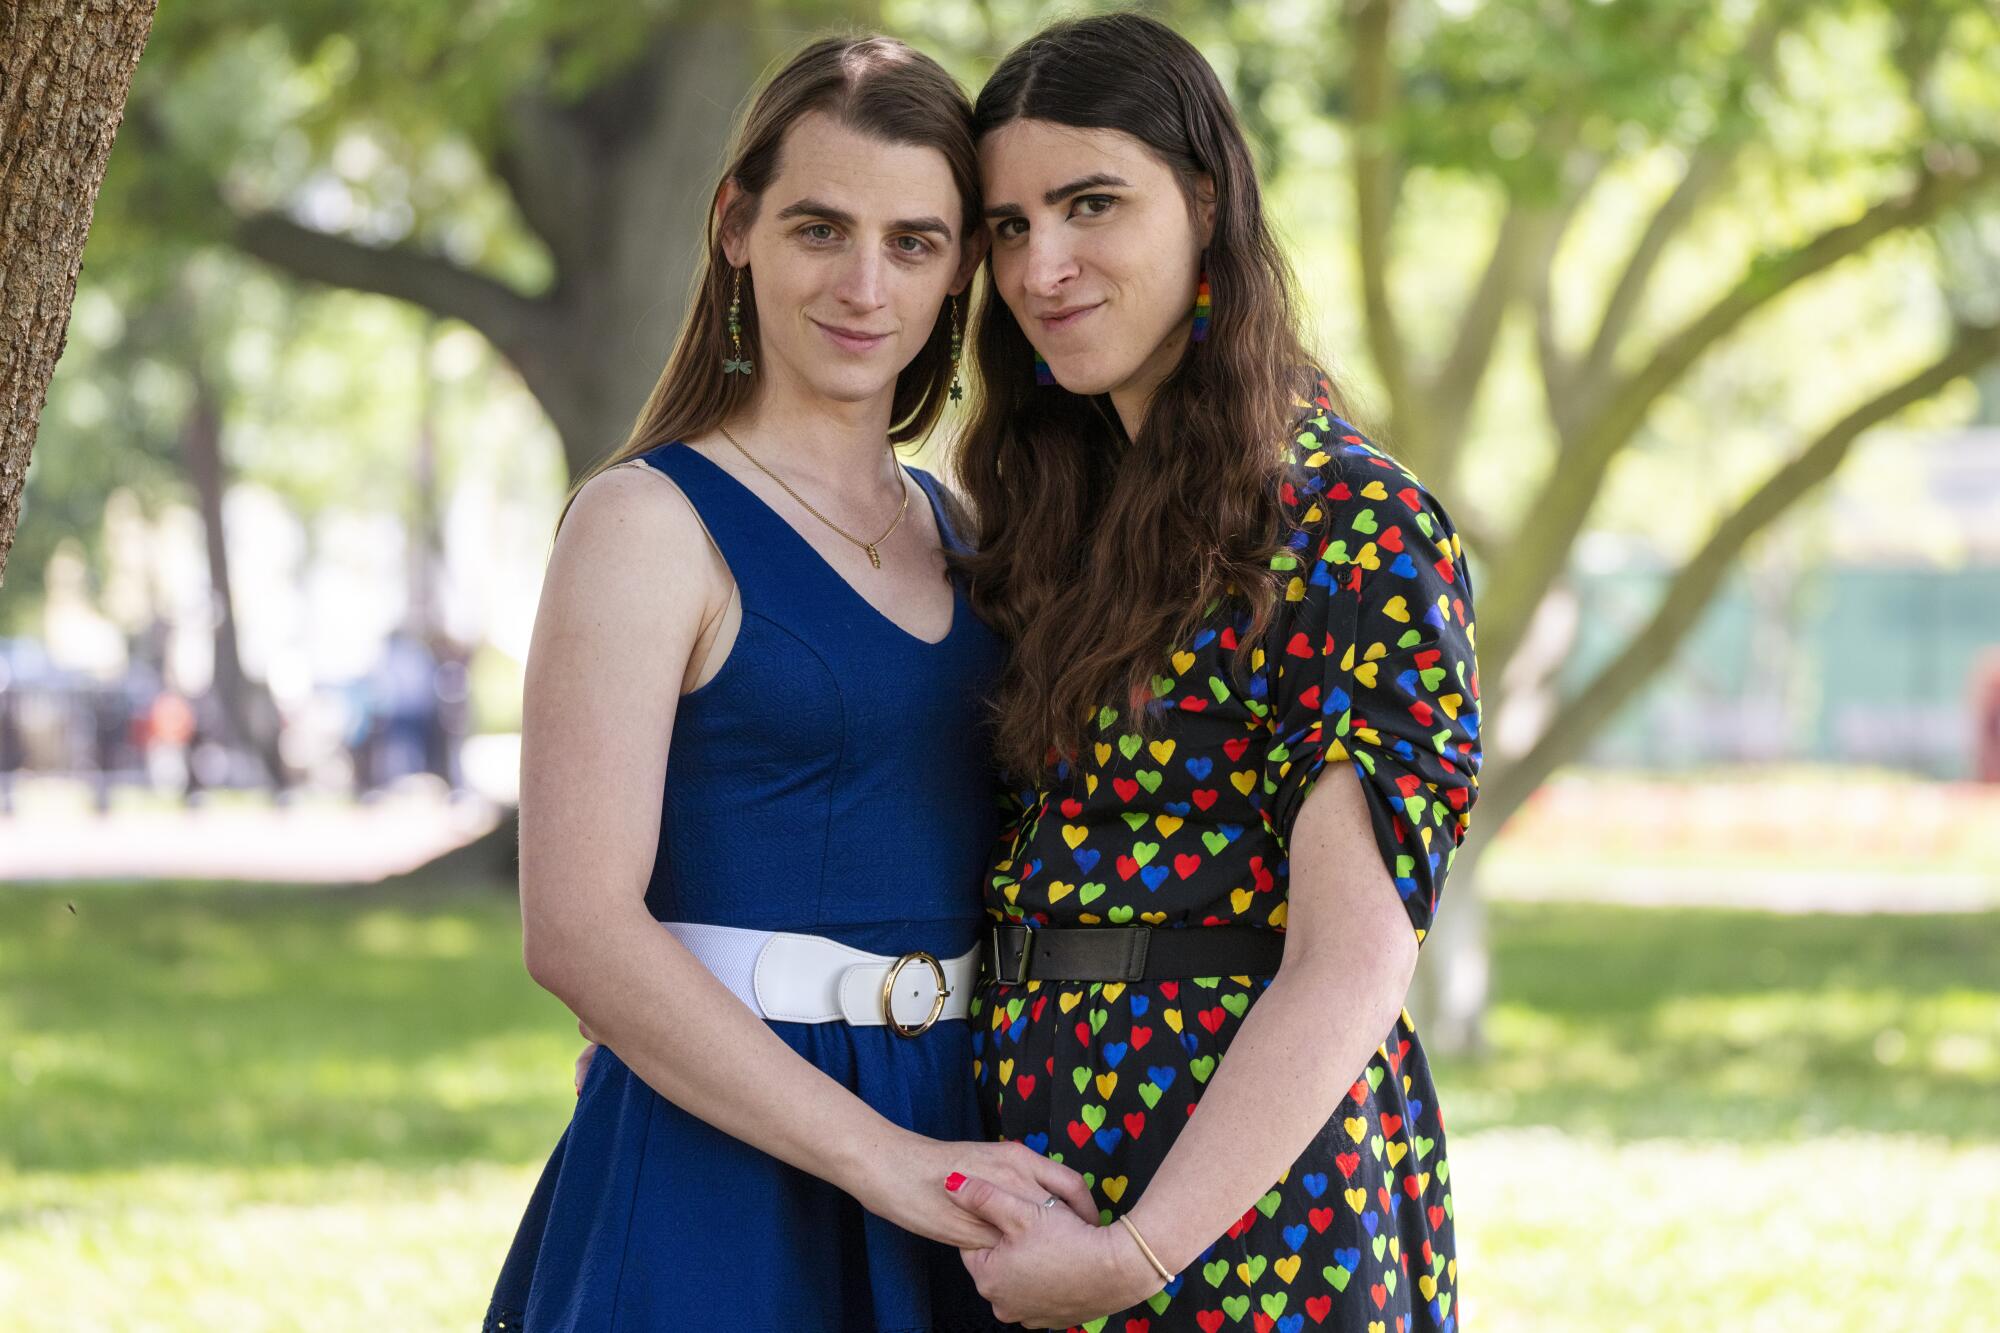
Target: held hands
(904, 1187)
(1050, 1268)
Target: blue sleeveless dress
(832, 778)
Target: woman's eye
(912, 245)
(1006, 229)
(818, 231)
(1094, 205)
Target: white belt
(790, 978)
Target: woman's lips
(1067, 320)
(850, 340)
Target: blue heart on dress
(1039, 1142)
(1107, 1139)
(1162, 1076)
(1201, 768)
(1114, 1051)
(1154, 876)
(1315, 1183)
(1087, 858)
(1295, 1236)
(1140, 1004)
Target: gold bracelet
(1146, 1249)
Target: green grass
(301, 1108)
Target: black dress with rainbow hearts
(1370, 661)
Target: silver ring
(1051, 1201)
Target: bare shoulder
(632, 544)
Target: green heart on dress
(1218, 689)
(1252, 1268)
(1375, 1073)
(1097, 1017)
(1144, 852)
(1268, 1205)
(1148, 779)
(1364, 522)
(1080, 1076)
(1337, 1277)
(1162, 687)
(1159, 1301)
(1149, 1093)
(1410, 638)
(1135, 819)
(1381, 1244)
(1092, 1115)
(1236, 1307)
(1215, 1272)
(1105, 717)
(1237, 1004)
(1089, 893)
(1214, 841)
(1129, 743)
(1424, 1147)
(1120, 915)
(1273, 1303)
(1201, 1067)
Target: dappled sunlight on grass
(283, 1108)
(1735, 1025)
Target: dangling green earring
(957, 343)
(738, 364)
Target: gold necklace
(874, 557)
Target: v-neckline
(937, 519)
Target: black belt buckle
(1020, 973)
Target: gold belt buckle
(889, 992)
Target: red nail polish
(953, 1181)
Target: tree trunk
(1454, 975)
(247, 707)
(65, 69)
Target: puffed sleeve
(1373, 646)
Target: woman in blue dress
(756, 793)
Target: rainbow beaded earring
(1204, 306)
(1043, 375)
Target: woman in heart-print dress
(1244, 700)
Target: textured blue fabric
(832, 777)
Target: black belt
(1016, 954)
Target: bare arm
(631, 584)
(1349, 954)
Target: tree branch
(508, 319)
(1376, 182)
(1564, 500)
(1653, 646)
(1707, 167)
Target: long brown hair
(875, 85)
(1097, 552)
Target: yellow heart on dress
(1240, 900)
(1103, 753)
(1397, 1150)
(1113, 991)
(1074, 835)
(1287, 1268)
(1357, 1199)
(1114, 1187)
(1006, 1071)
(1070, 1000)
(1161, 751)
(1090, 784)
(1173, 1017)
(1153, 918)
(1106, 1083)
(1295, 591)
(1356, 1127)
(1451, 703)
(1243, 781)
(1059, 891)
(1168, 825)
(1277, 917)
(1427, 1285)
(1397, 609)
(1182, 661)
(1374, 490)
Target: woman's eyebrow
(813, 208)
(1062, 192)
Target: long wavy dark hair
(1097, 552)
(876, 85)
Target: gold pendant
(873, 558)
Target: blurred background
(1689, 311)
